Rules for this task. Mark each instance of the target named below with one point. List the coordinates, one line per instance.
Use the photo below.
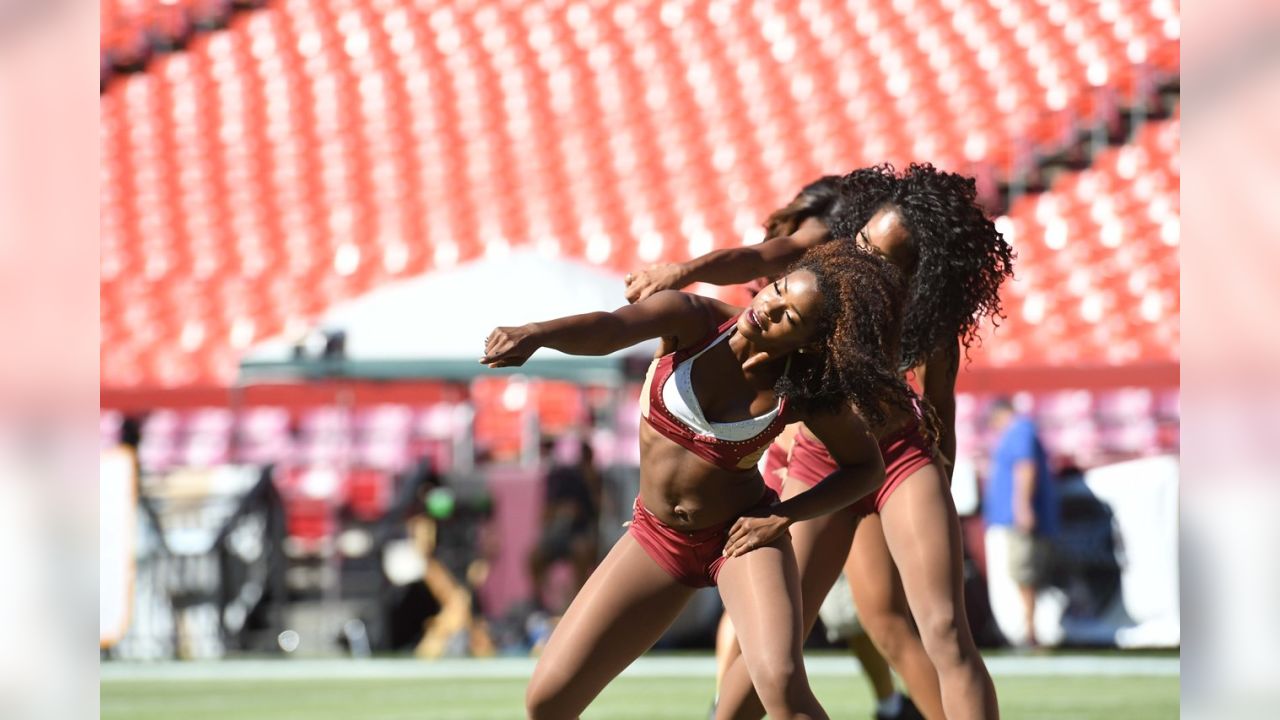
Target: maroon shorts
(693, 558)
(775, 464)
(904, 451)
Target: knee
(942, 636)
(542, 708)
(781, 685)
(543, 702)
(891, 632)
(538, 710)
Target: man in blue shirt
(1020, 497)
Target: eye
(776, 288)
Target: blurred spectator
(1021, 503)
(570, 517)
(439, 520)
(131, 439)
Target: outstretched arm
(861, 471)
(729, 266)
(666, 314)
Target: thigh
(873, 578)
(821, 546)
(761, 592)
(621, 611)
(922, 532)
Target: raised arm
(729, 266)
(938, 381)
(667, 314)
(861, 471)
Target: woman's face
(783, 316)
(886, 235)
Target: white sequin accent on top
(681, 402)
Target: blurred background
(312, 212)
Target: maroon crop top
(668, 404)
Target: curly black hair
(820, 198)
(856, 360)
(959, 259)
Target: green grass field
(1074, 696)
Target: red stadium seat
(310, 152)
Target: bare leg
(454, 615)
(622, 610)
(820, 547)
(726, 649)
(760, 590)
(923, 534)
(873, 663)
(883, 612)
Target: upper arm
(665, 314)
(847, 437)
(775, 254)
(938, 375)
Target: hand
(753, 531)
(666, 276)
(509, 346)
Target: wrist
(785, 511)
(685, 274)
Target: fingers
(498, 347)
(741, 539)
(634, 289)
(742, 546)
(637, 292)
(731, 550)
(491, 343)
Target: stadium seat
(308, 153)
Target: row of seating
(311, 151)
(1097, 273)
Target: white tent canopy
(434, 325)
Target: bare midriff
(688, 493)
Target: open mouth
(755, 320)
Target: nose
(775, 306)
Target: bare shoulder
(692, 316)
(717, 310)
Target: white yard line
(657, 666)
